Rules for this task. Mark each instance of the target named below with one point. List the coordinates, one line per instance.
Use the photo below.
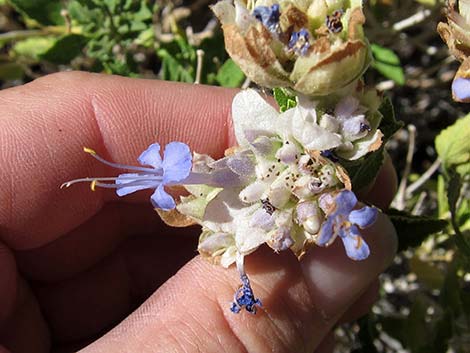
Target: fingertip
(336, 281)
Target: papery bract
(300, 51)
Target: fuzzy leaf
(388, 125)
(413, 230)
(364, 171)
(453, 194)
(453, 146)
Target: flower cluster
(314, 47)
(283, 172)
(282, 186)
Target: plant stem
(423, 178)
(400, 198)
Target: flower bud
(280, 239)
(309, 216)
(314, 47)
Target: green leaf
(32, 48)
(388, 125)
(174, 70)
(388, 64)
(230, 75)
(65, 49)
(46, 12)
(453, 146)
(364, 171)
(413, 230)
(284, 99)
(453, 195)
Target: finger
(90, 242)
(8, 284)
(363, 305)
(327, 345)
(95, 300)
(301, 302)
(25, 329)
(47, 123)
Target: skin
(79, 268)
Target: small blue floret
(244, 298)
(461, 88)
(268, 16)
(344, 221)
(299, 42)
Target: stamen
(268, 206)
(333, 22)
(364, 127)
(359, 241)
(93, 185)
(140, 179)
(120, 166)
(89, 150)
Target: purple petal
(161, 199)
(356, 248)
(326, 234)
(151, 156)
(263, 145)
(136, 184)
(241, 165)
(225, 178)
(346, 107)
(345, 202)
(353, 125)
(363, 217)
(177, 161)
(262, 219)
(461, 88)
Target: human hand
(74, 264)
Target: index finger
(45, 124)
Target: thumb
(302, 301)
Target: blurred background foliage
(424, 303)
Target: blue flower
(299, 42)
(344, 221)
(269, 16)
(244, 298)
(155, 173)
(461, 88)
